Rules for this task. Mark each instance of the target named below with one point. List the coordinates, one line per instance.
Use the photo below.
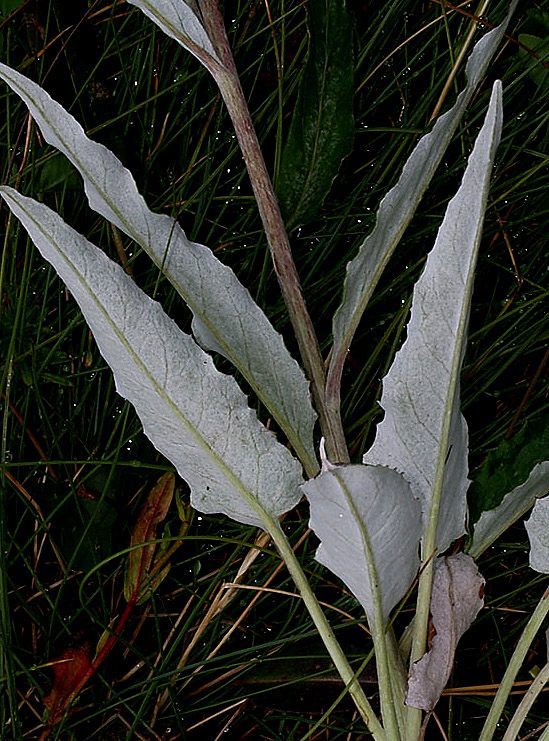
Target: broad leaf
(507, 467)
(398, 206)
(69, 668)
(537, 527)
(321, 130)
(515, 504)
(226, 318)
(197, 417)
(456, 599)
(369, 526)
(180, 19)
(423, 434)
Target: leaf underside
(195, 415)
(369, 526)
(226, 318)
(423, 434)
(398, 206)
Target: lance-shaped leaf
(456, 599)
(537, 527)
(141, 575)
(180, 20)
(423, 434)
(369, 525)
(195, 415)
(398, 206)
(226, 318)
(321, 130)
(515, 504)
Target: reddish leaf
(69, 669)
(140, 577)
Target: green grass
(75, 465)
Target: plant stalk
(227, 79)
(326, 633)
(517, 659)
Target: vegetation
(76, 469)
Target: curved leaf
(369, 525)
(321, 131)
(537, 527)
(195, 415)
(398, 206)
(180, 20)
(423, 434)
(227, 319)
(515, 504)
(456, 599)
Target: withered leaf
(456, 599)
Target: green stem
(326, 633)
(517, 659)
(526, 704)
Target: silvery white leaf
(369, 525)
(180, 21)
(537, 527)
(398, 206)
(423, 434)
(494, 522)
(224, 311)
(195, 415)
(456, 599)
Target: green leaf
(226, 318)
(369, 526)
(8, 6)
(507, 467)
(397, 208)
(538, 69)
(321, 131)
(514, 505)
(423, 434)
(195, 415)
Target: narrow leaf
(140, 558)
(456, 599)
(180, 20)
(369, 526)
(197, 417)
(537, 527)
(321, 130)
(515, 504)
(398, 206)
(423, 434)
(226, 318)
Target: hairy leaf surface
(515, 504)
(398, 206)
(369, 525)
(226, 318)
(537, 527)
(180, 20)
(423, 434)
(195, 415)
(456, 599)
(321, 131)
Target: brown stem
(228, 81)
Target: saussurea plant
(383, 522)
